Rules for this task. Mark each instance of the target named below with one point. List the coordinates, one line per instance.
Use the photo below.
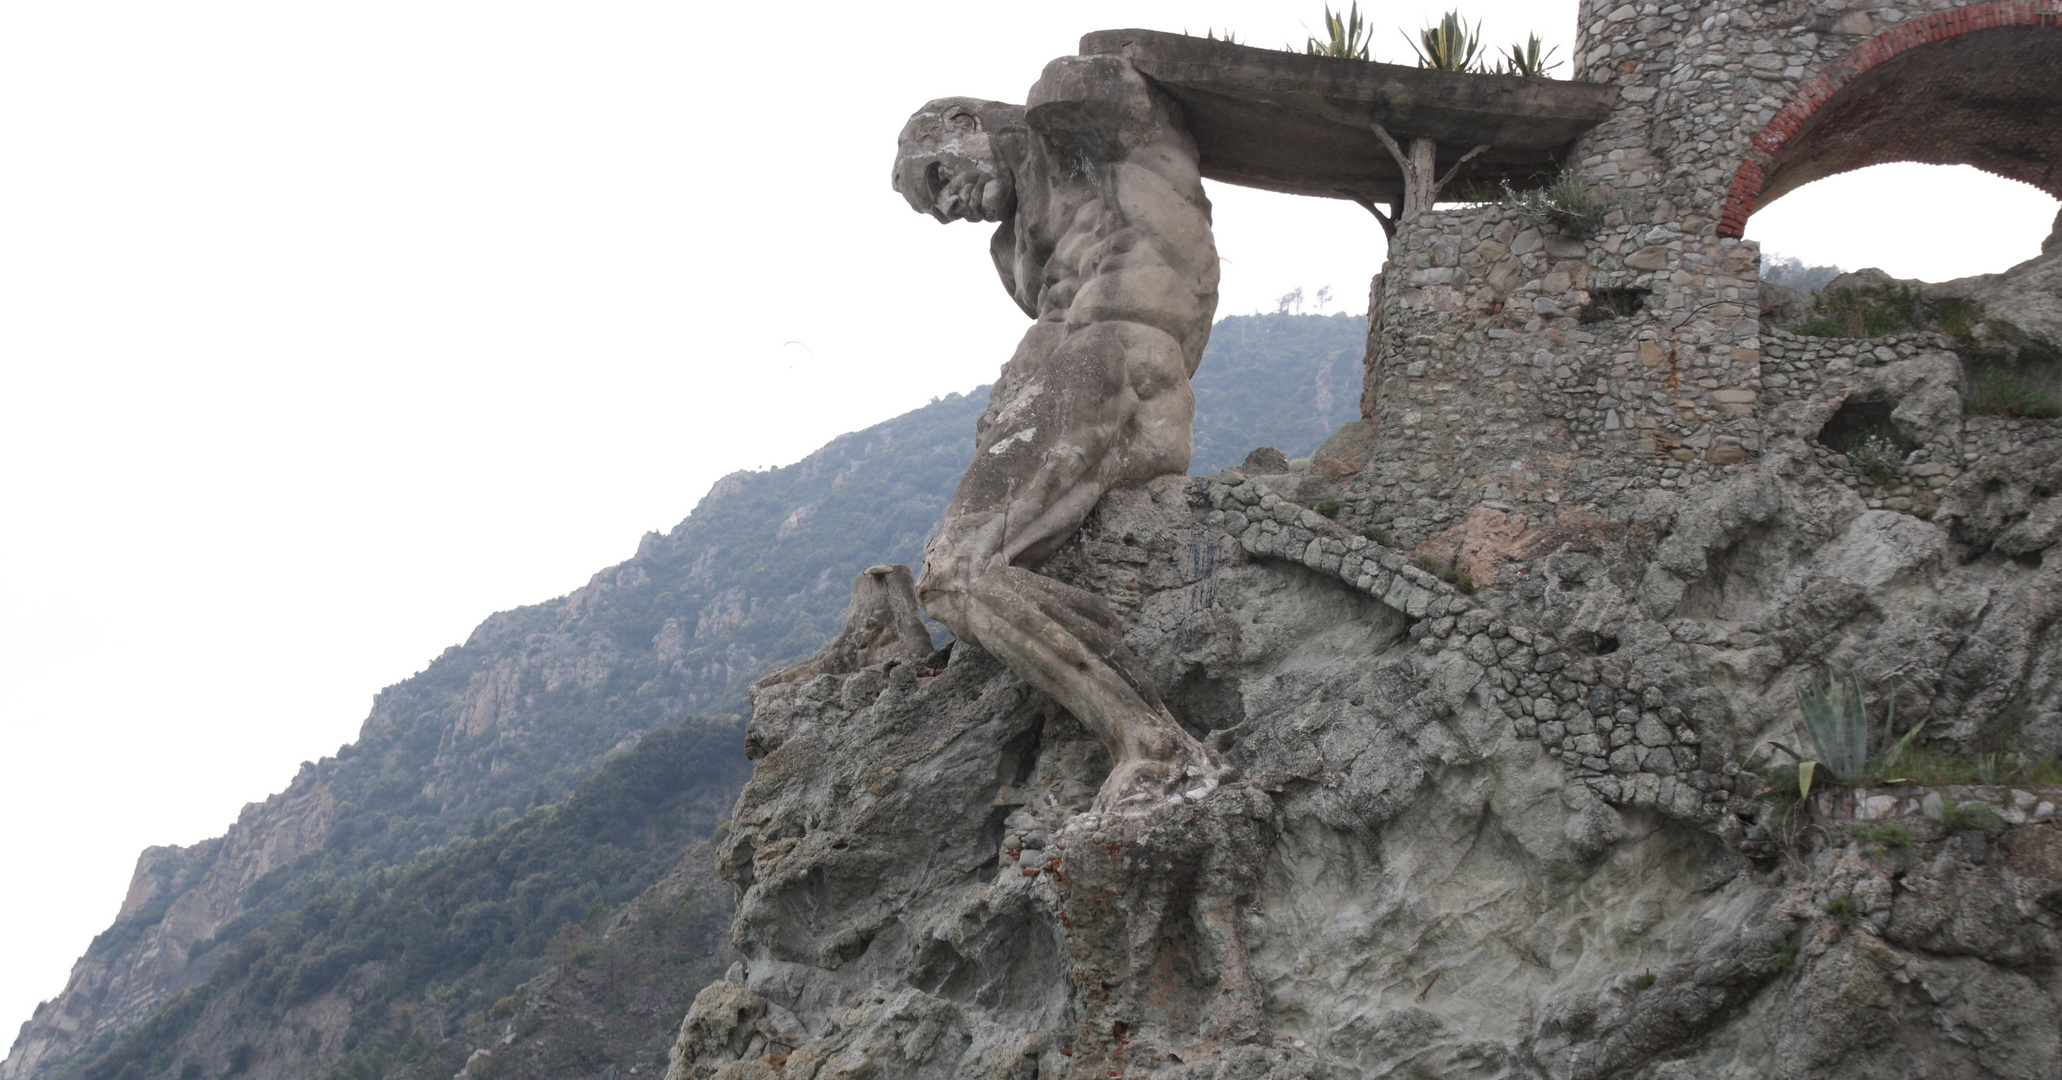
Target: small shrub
(240, 1058)
(1645, 980)
(1886, 833)
(1464, 583)
(2000, 392)
(1970, 817)
(1841, 906)
(1936, 766)
(1786, 957)
(1379, 535)
(1329, 508)
(1783, 782)
(1875, 456)
(1956, 316)
(504, 1008)
(1565, 203)
(1819, 327)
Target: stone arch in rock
(1974, 85)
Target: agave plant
(1527, 60)
(1346, 35)
(1836, 722)
(1449, 46)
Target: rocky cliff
(1509, 805)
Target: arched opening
(1972, 86)
(1912, 221)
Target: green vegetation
(1841, 906)
(1645, 981)
(1449, 45)
(2005, 392)
(1379, 535)
(1938, 766)
(1836, 722)
(1846, 313)
(1886, 833)
(1784, 782)
(467, 924)
(1526, 60)
(1562, 202)
(1281, 380)
(1329, 508)
(1876, 456)
(1346, 35)
(1970, 817)
(1786, 956)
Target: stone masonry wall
(1521, 367)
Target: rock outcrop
(2017, 319)
(1474, 836)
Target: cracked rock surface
(1506, 834)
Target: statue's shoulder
(1100, 104)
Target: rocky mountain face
(498, 730)
(1509, 804)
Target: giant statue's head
(955, 159)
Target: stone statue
(1104, 238)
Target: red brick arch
(1873, 96)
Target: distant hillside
(468, 756)
(1286, 381)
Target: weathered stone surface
(2021, 318)
(949, 878)
(882, 623)
(1095, 166)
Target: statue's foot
(1141, 783)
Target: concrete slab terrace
(1302, 125)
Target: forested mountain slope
(471, 753)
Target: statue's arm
(1002, 248)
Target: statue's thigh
(1125, 359)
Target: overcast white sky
(328, 329)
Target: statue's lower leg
(1069, 645)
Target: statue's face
(949, 161)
